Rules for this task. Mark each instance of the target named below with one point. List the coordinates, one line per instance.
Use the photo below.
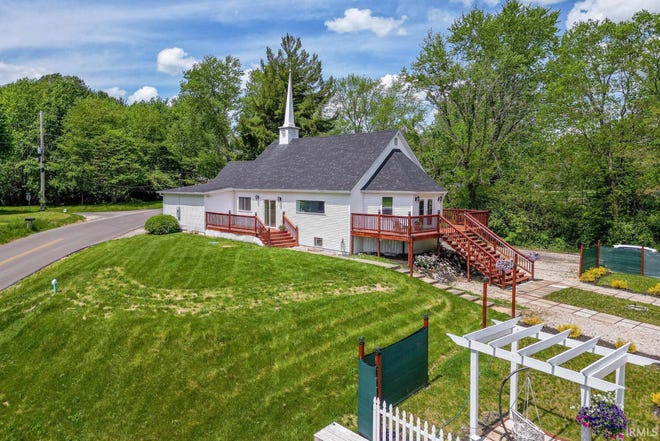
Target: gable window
(387, 204)
(317, 207)
(244, 204)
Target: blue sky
(138, 49)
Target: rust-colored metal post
(484, 302)
(598, 254)
(641, 267)
(379, 372)
(581, 257)
(361, 347)
(513, 287)
(426, 319)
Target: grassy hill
(185, 337)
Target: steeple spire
(288, 131)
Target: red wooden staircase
(482, 249)
(281, 239)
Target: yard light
(54, 283)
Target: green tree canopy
(483, 81)
(265, 98)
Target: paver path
(22, 257)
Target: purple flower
(605, 419)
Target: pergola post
(474, 395)
(585, 400)
(620, 376)
(513, 381)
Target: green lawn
(13, 225)
(606, 304)
(182, 337)
(638, 284)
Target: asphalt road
(22, 257)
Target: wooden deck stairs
(482, 248)
(280, 239)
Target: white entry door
(270, 213)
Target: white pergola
(493, 339)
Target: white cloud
(388, 79)
(440, 17)
(115, 92)
(174, 60)
(12, 72)
(356, 20)
(615, 10)
(144, 93)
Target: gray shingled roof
(324, 163)
(399, 173)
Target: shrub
(655, 397)
(654, 290)
(619, 284)
(593, 274)
(575, 329)
(632, 348)
(531, 321)
(162, 224)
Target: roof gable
(398, 173)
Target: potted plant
(604, 418)
(281, 228)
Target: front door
(270, 213)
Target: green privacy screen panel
(622, 259)
(589, 259)
(367, 390)
(404, 369)
(651, 263)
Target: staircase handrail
(499, 244)
(290, 227)
(262, 231)
(474, 249)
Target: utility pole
(42, 168)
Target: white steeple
(288, 131)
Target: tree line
(558, 135)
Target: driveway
(22, 257)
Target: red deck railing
(394, 227)
(457, 215)
(502, 247)
(290, 227)
(232, 223)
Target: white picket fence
(391, 425)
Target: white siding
(220, 202)
(191, 210)
(333, 226)
(401, 204)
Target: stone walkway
(530, 296)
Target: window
(317, 207)
(387, 204)
(318, 242)
(244, 204)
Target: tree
(205, 113)
(265, 97)
(483, 81)
(361, 104)
(603, 100)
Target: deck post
(468, 263)
(410, 255)
(641, 266)
(513, 286)
(229, 220)
(352, 244)
(256, 233)
(378, 238)
(581, 256)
